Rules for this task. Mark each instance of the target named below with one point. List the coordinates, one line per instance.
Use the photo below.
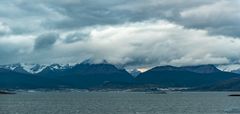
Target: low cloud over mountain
(128, 33)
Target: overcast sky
(132, 33)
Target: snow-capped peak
(229, 68)
(33, 68)
(59, 66)
(10, 66)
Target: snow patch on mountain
(38, 68)
(33, 68)
(235, 68)
(9, 67)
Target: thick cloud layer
(219, 18)
(136, 33)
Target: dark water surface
(119, 103)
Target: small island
(5, 92)
(234, 95)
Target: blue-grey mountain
(104, 75)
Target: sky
(130, 33)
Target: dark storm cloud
(219, 18)
(216, 16)
(45, 41)
(86, 13)
(210, 15)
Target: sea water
(119, 103)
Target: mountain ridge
(187, 76)
(88, 75)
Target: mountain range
(104, 75)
